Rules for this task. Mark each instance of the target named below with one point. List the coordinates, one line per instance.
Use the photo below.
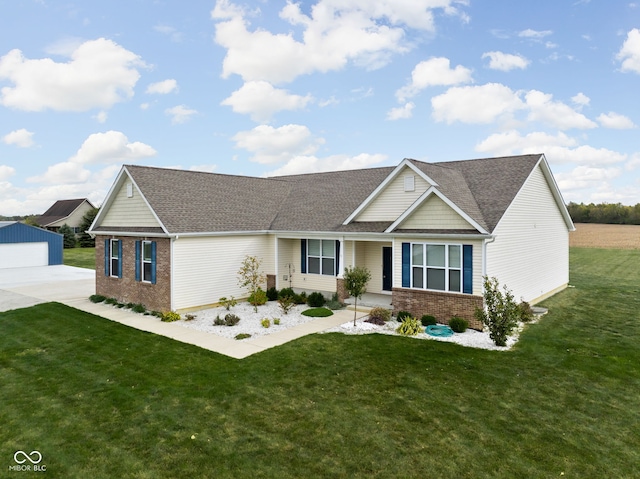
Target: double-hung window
(436, 266)
(319, 256)
(113, 258)
(146, 261)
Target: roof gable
(60, 210)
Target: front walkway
(238, 349)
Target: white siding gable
(129, 210)
(434, 213)
(394, 199)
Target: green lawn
(80, 257)
(100, 400)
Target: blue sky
(264, 88)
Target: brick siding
(155, 297)
(441, 305)
(341, 290)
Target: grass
(99, 399)
(80, 257)
(320, 312)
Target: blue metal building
(23, 245)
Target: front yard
(100, 400)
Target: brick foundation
(341, 290)
(155, 297)
(441, 305)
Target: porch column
(341, 259)
(277, 269)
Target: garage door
(17, 255)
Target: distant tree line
(606, 213)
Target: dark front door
(387, 268)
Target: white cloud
(333, 34)
(313, 164)
(401, 113)
(64, 173)
(615, 121)
(6, 172)
(629, 53)
(555, 113)
(581, 100)
(476, 104)
(111, 147)
(271, 145)
(162, 87)
(433, 72)
(587, 178)
(505, 61)
(20, 138)
(261, 100)
(101, 117)
(99, 74)
(534, 34)
(173, 34)
(180, 114)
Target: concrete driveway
(24, 287)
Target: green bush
(317, 312)
(189, 317)
(272, 294)
(459, 325)
(428, 320)
(379, 313)
(286, 292)
(228, 303)
(231, 319)
(334, 305)
(410, 326)
(242, 336)
(258, 297)
(297, 298)
(112, 301)
(266, 322)
(97, 298)
(526, 312)
(219, 321)
(170, 316)
(276, 321)
(402, 315)
(286, 303)
(316, 300)
(501, 312)
(138, 308)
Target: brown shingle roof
(60, 210)
(192, 202)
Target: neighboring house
(428, 232)
(69, 212)
(23, 245)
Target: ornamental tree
(355, 282)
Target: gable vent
(409, 183)
(129, 190)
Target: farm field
(97, 399)
(592, 235)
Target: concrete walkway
(73, 286)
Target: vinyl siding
(434, 213)
(393, 200)
(74, 220)
(205, 269)
(314, 282)
(126, 211)
(477, 259)
(371, 258)
(531, 252)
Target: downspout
(485, 242)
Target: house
(69, 212)
(23, 245)
(428, 232)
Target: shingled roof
(197, 202)
(59, 210)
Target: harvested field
(591, 235)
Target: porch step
(361, 309)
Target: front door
(387, 268)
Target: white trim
(406, 162)
(449, 203)
(446, 266)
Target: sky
(270, 87)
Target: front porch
(372, 300)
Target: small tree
(500, 313)
(69, 236)
(84, 240)
(250, 277)
(355, 282)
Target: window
(319, 256)
(146, 261)
(436, 266)
(113, 256)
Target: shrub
(317, 312)
(129, 305)
(334, 305)
(265, 323)
(379, 313)
(231, 319)
(272, 294)
(170, 316)
(428, 320)
(189, 317)
(501, 312)
(112, 301)
(459, 325)
(242, 336)
(120, 305)
(286, 303)
(316, 300)
(219, 321)
(526, 312)
(286, 292)
(228, 303)
(402, 315)
(296, 298)
(97, 298)
(258, 298)
(375, 320)
(138, 308)
(300, 298)
(409, 327)
(276, 321)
